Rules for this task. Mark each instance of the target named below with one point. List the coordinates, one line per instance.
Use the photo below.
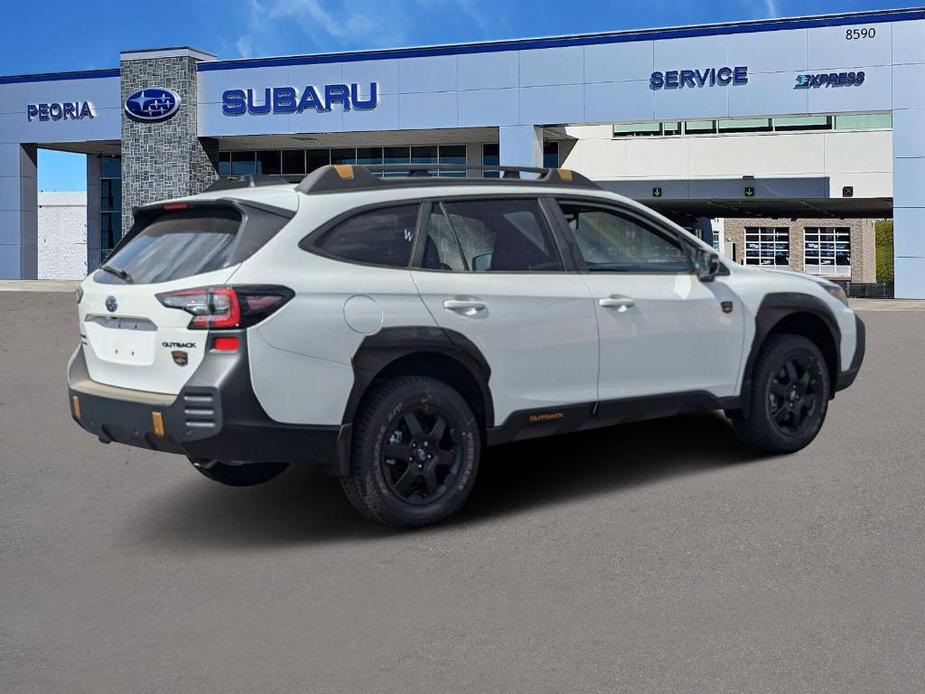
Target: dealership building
(779, 141)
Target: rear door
(129, 338)
(491, 270)
(662, 330)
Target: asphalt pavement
(656, 557)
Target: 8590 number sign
(863, 33)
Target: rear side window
(500, 235)
(166, 245)
(383, 236)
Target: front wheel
(241, 475)
(789, 396)
(415, 453)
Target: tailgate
(132, 341)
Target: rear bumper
(215, 415)
(846, 378)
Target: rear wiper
(121, 274)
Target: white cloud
(326, 25)
(243, 44)
(770, 7)
(331, 25)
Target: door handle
(617, 301)
(467, 307)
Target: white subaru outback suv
(388, 328)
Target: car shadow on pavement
(305, 506)
(517, 477)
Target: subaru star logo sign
(152, 104)
(111, 304)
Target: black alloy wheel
(420, 456)
(415, 452)
(793, 394)
(788, 398)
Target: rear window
(169, 245)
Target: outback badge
(180, 358)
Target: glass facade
(110, 203)
(296, 163)
(767, 246)
(866, 121)
(491, 156)
(827, 251)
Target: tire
(243, 475)
(415, 454)
(789, 396)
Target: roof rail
(244, 181)
(335, 178)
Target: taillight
(217, 308)
(226, 344)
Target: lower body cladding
(215, 416)
(846, 378)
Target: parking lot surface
(660, 556)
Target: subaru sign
(830, 79)
(707, 77)
(152, 104)
(237, 102)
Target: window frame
(653, 225)
(313, 241)
(836, 231)
(758, 235)
(566, 262)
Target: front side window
(609, 241)
(379, 237)
(489, 236)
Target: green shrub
(884, 240)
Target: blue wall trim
(514, 44)
(56, 76)
(563, 41)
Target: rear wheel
(415, 453)
(240, 475)
(789, 396)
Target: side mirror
(706, 264)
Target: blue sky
(56, 35)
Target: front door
(490, 270)
(662, 330)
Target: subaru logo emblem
(152, 104)
(111, 304)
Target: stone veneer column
(863, 251)
(734, 231)
(165, 159)
(798, 245)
